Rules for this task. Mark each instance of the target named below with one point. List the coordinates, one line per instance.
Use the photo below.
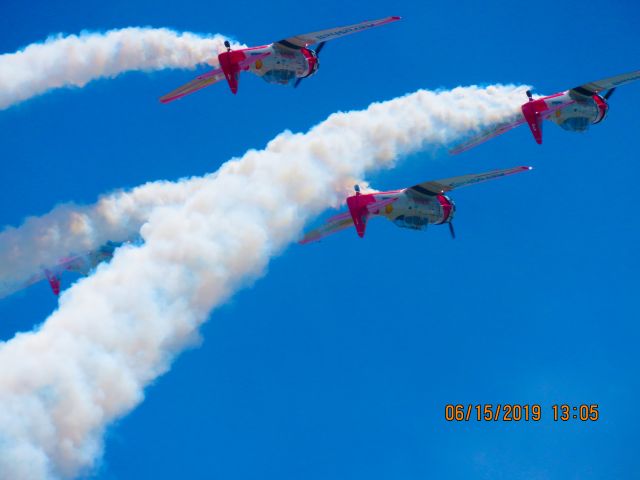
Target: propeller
(317, 50)
(452, 231)
(608, 94)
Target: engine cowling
(312, 61)
(603, 108)
(448, 208)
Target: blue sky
(339, 362)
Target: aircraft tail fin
(532, 111)
(234, 61)
(358, 208)
(54, 281)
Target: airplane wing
(51, 275)
(332, 225)
(209, 78)
(9, 288)
(590, 89)
(301, 41)
(198, 83)
(485, 135)
(437, 187)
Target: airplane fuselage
(412, 212)
(576, 114)
(284, 65)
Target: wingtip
(308, 240)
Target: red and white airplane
(574, 110)
(282, 62)
(414, 207)
(82, 264)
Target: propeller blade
(608, 94)
(320, 47)
(452, 231)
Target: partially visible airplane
(282, 62)
(574, 110)
(82, 264)
(414, 207)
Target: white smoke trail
(71, 229)
(75, 60)
(119, 329)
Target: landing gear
(228, 45)
(357, 189)
(530, 95)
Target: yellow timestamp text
(516, 412)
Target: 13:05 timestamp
(513, 412)
(582, 412)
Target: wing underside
(486, 134)
(194, 85)
(333, 225)
(304, 40)
(437, 187)
(592, 88)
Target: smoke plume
(117, 330)
(75, 60)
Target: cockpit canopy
(576, 124)
(580, 115)
(279, 76)
(411, 221)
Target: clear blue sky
(339, 362)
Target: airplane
(283, 62)
(82, 264)
(414, 207)
(574, 110)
